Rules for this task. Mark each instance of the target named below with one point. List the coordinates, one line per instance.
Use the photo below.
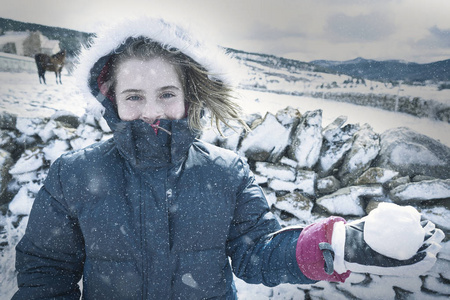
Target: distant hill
(389, 70)
(71, 40)
(277, 62)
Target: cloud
(439, 38)
(266, 31)
(360, 28)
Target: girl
(154, 213)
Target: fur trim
(213, 58)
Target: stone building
(27, 43)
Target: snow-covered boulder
(30, 161)
(7, 121)
(398, 181)
(5, 163)
(364, 150)
(231, 138)
(29, 126)
(436, 284)
(328, 185)
(349, 200)
(411, 153)
(421, 191)
(289, 117)
(307, 140)
(332, 131)
(55, 149)
(66, 117)
(278, 171)
(296, 204)
(266, 142)
(7, 141)
(376, 175)
(305, 182)
(337, 142)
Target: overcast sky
(411, 30)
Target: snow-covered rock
(305, 182)
(29, 126)
(439, 215)
(411, 153)
(55, 149)
(398, 181)
(22, 202)
(328, 185)
(296, 204)
(8, 142)
(278, 171)
(7, 120)
(68, 118)
(288, 117)
(348, 201)
(421, 191)
(307, 140)
(436, 284)
(5, 164)
(441, 268)
(376, 175)
(30, 161)
(266, 142)
(337, 141)
(231, 138)
(364, 150)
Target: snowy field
(22, 94)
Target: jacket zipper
(142, 204)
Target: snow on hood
(212, 57)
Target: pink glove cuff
(309, 257)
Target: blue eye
(167, 95)
(134, 98)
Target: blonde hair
(200, 88)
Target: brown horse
(53, 63)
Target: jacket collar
(142, 147)
(138, 142)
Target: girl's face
(149, 90)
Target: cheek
(176, 110)
(127, 112)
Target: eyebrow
(131, 91)
(164, 88)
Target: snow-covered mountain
(389, 70)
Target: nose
(152, 111)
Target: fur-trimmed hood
(93, 57)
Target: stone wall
(308, 171)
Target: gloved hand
(391, 240)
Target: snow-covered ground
(21, 93)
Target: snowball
(394, 230)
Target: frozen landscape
(349, 167)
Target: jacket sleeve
(260, 252)
(50, 256)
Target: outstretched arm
(260, 252)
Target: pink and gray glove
(314, 252)
(391, 240)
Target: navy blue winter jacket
(151, 218)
